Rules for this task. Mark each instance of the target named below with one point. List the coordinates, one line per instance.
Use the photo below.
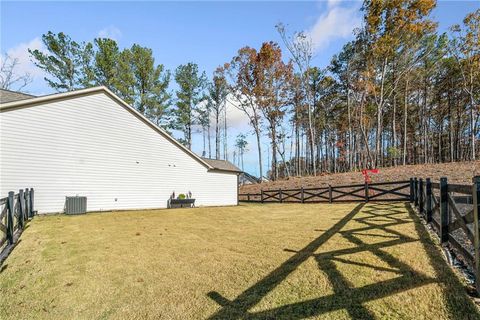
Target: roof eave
(224, 170)
(50, 97)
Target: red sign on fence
(365, 173)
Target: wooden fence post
(280, 195)
(261, 195)
(303, 198)
(443, 210)
(415, 191)
(476, 231)
(32, 197)
(21, 208)
(411, 190)
(330, 194)
(420, 196)
(248, 197)
(366, 192)
(10, 210)
(428, 215)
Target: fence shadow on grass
(457, 307)
(374, 217)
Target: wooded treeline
(399, 93)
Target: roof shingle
(222, 165)
(9, 96)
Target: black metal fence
(453, 212)
(383, 191)
(15, 211)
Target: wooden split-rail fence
(15, 211)
(452, 210)
(383, 191)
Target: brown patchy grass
(456, 172)
(276, 261)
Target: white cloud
(337, 22)
(236, 118)
(332, 3)
(110, 32)
(25, 65)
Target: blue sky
(207, 33)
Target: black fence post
(32, 197)
(248, 197)
(21, 208)
(10, 210)
(420, 196)
(443, 209)
(261, 195)
(280, 195)
(411, 190)
(27, 203)
(415, 191)
(476, 232)
(428, 187)
(366, 192)
(302, 196)
(330, 199)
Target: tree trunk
(405, 116)
(298, 170)
(291, 145)
(225, 142)
(380, 114)
(259, 148)
(350, 133)
(189, 136)
(209, 140)
(450, 126)
(394, 131)
(424, 116)
(217, 134)
(274, 167)
(472, 126)
(440, 159)
(204, 152)
(241, 155)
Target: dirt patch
(456, 172)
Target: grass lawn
(275, 261)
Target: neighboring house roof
(223, 165)
(249, 177)
(9, 96)
(31, 102)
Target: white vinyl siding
(92, 146)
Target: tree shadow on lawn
(345, 295)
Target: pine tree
(191, 93)
(218, 92)
(64, 63)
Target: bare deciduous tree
(10, 78)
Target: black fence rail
(383, 191)
(15, 211)
(453, 212)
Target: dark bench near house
(181, 203)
